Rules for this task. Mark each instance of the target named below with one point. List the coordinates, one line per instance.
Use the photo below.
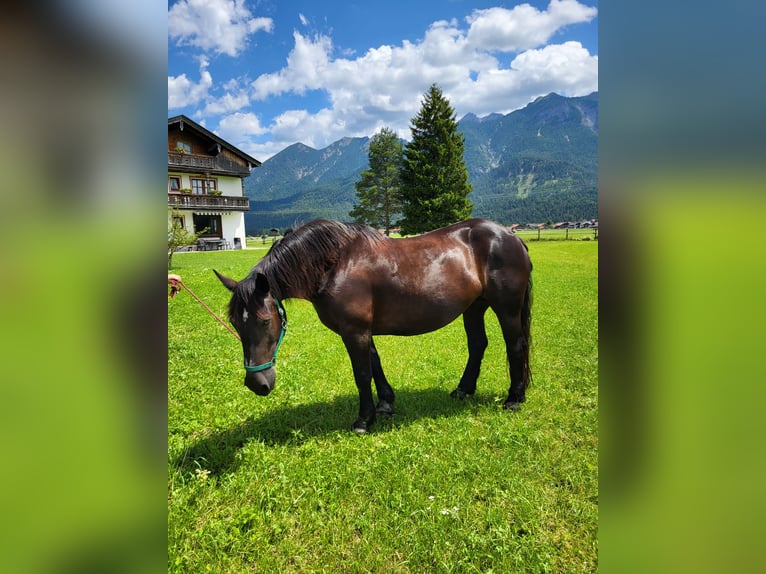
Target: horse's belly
(415, 317)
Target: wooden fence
(584, 233)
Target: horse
(363, 284)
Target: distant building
(206, 183)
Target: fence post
(566, 236)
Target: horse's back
(491, 245)
(475, 251)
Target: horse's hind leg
(473, 321)
(517, 349)
(385, 392)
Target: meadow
(280, 484)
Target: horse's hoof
(360, 426)
(512, 406)
(459, 394)
(384, 408)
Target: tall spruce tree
(378, 189)
(434, 179)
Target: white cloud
(306, 65)
(524, 26)
(239, 127)
(227, 103)
(497, 60)
(311, 129)
(263, 151)
(184, 92)
(220, 26)
(242, 129)
(567, 69)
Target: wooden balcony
(206, 164)
(216, 202)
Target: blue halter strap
(273, 361)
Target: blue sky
(264, 74)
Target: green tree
(178, 236)
(434, 178)
(378, 189)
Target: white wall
(234, 226)
(230, 186)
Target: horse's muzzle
(262, 382)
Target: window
(178, 222)
(183, 147)
(174, 183)
(202, 186)
(210, 223)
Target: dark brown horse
(363, 283)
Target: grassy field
(280, 484)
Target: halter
(273, 361)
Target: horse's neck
(289, 284)
(296, 294)
(292, 292)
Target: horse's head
(261, 322)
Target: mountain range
(535, 164)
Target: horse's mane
(299, 261)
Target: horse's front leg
(358, 347)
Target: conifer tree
(378, 189)
(434, 179)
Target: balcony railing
(206, 163)
(218, 202)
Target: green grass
(280, 484)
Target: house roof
(186, 123)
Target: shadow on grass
(218, 451)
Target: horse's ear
(261, 284)
(228, 282)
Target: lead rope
(174, 290)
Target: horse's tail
(526, 326)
